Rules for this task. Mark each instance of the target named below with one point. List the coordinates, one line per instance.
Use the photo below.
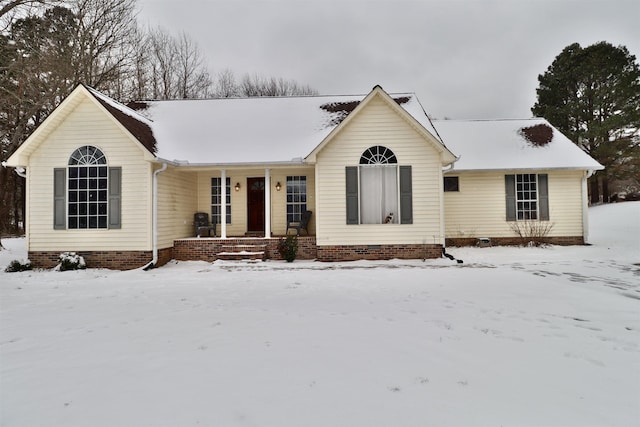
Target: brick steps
(242, 253)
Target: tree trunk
(594, 190)
(605, 188)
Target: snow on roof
(283, 130)
(502, 144)
(253, 130)
(138, 125)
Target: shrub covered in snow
(18, 265)
(70, 261)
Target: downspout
(585, 205)
(442, 213)
(154, 231)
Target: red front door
(255, 204)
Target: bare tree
(225, 85)
(175, 66)
(194, 80)
(105, 52)
(255, 85)
(161, 54)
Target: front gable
(414, 173)
(387, 109)
(51, 185)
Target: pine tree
(592, 95)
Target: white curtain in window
(378, 193)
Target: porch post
(267, 203)
(223, 203)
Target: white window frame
(93, 211)
(379, 157)
(295, 190)
(527, 198)
(216, 207)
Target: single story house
(121, 184)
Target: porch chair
(201, 224)
(303, 224)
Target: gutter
(154, 232)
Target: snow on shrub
(70, 261)
(18, 265)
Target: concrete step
(242, 252)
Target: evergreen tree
(592, 95)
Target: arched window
(378, 155)
(88, 189)
(379, 191)
(87, 155)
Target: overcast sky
(464, 59)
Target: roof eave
(232, 165)
(530, 168)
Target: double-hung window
(378, 190)
(527, 197)
(296, 197)
(216, 200)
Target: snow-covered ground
(512, 337)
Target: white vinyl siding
(478, 209)
(176, 205)
(87, 124)
(378, 124)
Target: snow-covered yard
(512, 337)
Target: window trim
(379, 156)
(61, 189)
(82, 162)
(542, 197)
(524, 183)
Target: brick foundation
(377, 252)
(516, 241)
(205, 249)
(115, 260)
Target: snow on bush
(70, 261)
(18, 265)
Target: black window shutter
(59, 199)
(406, 196)
(543, 196)
(115, 197)
(510, 191)
(352, 194)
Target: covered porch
(240, 201)
(246, 210)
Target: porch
(213, 248)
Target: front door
(255, 204)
